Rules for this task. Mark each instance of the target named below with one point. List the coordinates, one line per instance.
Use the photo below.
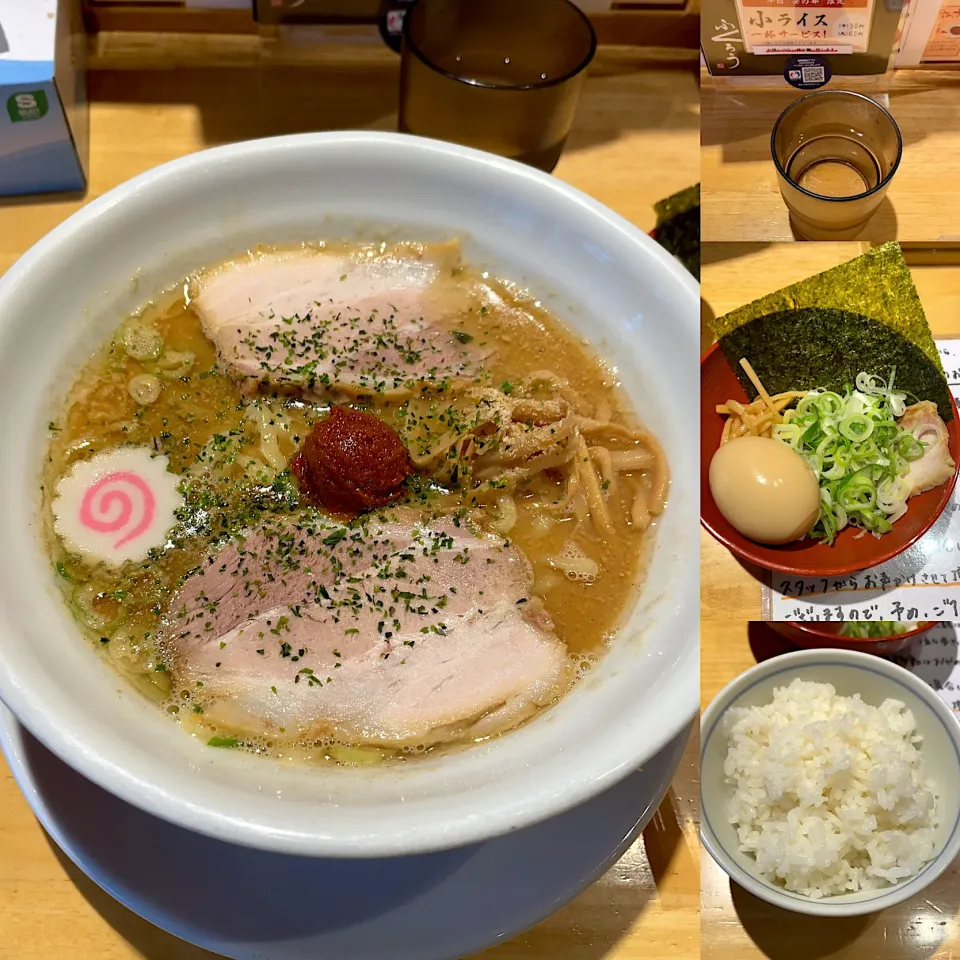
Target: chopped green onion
(876, 628)
(222, 742)
(858, 452)
(856, 427)
(908, 447)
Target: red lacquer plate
(806, 558)
(820, 635)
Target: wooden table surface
(635, 141)
(735, 925)
(736, 273)
(741, 199)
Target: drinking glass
(500, 75)
(835, 153)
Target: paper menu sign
(860, 36)
(933, 657)
(943, 43)
(805, 26)
(922, 583)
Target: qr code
(813, 74)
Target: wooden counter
(741, 199)
(736, 273)
(739, 926)
(636, 140)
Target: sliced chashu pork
(396, 633)
(317, 320)
(936, 466)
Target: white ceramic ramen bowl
(598, 272)
(850, 672)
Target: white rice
(829, 792)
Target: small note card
(933, 657)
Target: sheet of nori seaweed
(678, 227)
(877, 284)
(822, 347)
(677, 203)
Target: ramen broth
(230, 451)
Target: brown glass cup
(835, 153)
(500, 75)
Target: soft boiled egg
(765, 489)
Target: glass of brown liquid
(835, 153)
(499, 75)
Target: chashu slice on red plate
(390, 632)
(936, 466)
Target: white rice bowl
(829, 794)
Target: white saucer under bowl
(249, 904)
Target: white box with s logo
(43, 115)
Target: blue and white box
(43, 115)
